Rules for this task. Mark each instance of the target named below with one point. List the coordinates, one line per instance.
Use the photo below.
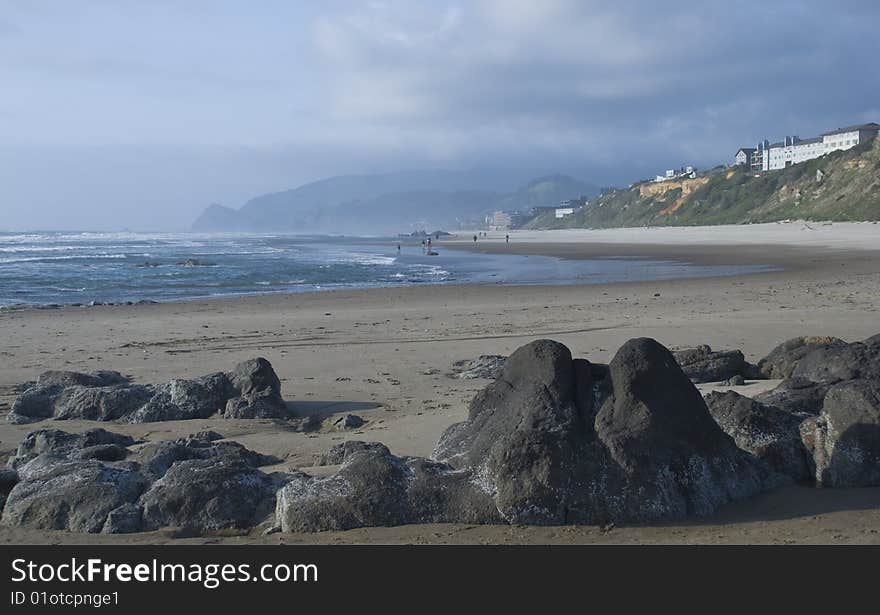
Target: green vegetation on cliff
(838, 186)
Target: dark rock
(770, 434)
(734, 381)
(836, 363)
(484, 366)
(72, 495)
(551, 441)
(205, 495)
(702, 364)
(782, 360)
(845, 438)
(796, 396)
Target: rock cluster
(822, 422)
(96, 482)
(553, 440)
(251, 390)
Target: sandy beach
(384, 354)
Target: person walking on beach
(475, 239)
(507, 238)
(398, 248)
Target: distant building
(793, 150)
(561, 212)
(673, 174)
(745, 156)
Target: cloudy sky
(118, 113)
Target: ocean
(64, 268)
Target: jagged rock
(375, 488)
(338, 453)
(770, 434)
(204, 495)
(265, 404)
(782, 360)
(125, 519)
(345, 422)
(251, 390)
(552, 440)
(702, 364)
(253, 376)
(796, 396)
(734, 381)
(8, 480)
(845, 437)
(156, 458)
(59, 444)
(72, 495)
(101, 403)
(38, 401)
(185, 399)
(484, 366)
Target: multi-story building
(792, 150)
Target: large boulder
(185, 399)
(54, 444)
(702, 364)
(37, 402)
(155, 458)
(205, 495)
(107, 403)
(668, 456)
(258, 392)
(837, 363)
(553, 440)
(375, 488)
(784, 359)
(768, 433)
(845, 437)
(72, 495)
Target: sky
(137, 114)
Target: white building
(793, 150)
(561, 212)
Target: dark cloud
(609, 91)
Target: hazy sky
(119, 113)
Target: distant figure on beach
(507, 238)
(429, 243)
(398, 247)
(475, 239)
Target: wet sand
(384, 355)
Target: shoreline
(384, 354)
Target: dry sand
(384, 354)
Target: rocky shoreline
(553, 440)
